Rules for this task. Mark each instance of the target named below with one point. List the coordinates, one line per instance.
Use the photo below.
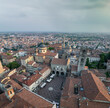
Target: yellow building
(26, 59)
(1, 68)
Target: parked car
(52, 76)
(49, 80)
(43, 85)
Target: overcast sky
(55, 15)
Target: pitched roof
(34, 100)
(44, 69)
(31, 62)
(55, 45)
(68, 98)
(3, 100)
(15, 84)
(32, 79)
(69, 86)
(97, 73)
(93, 87)
(58, 61)
(26, 57)
(18, 77)
(48, 53)
(74, 68)
(92, 104)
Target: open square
(52, 90)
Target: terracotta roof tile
(97, 90)
(3, 100)
(44, 69)
(34, 100)
(58, 61)
(91, 104)
(74, 68)
(48, 53)
(32, 79)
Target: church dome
(42, 48)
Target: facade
(94, 58)
(34, 80)
(9, 92)
(60, 66)
(82, 60)
(74, 69)
(42, 53)
(73, 60)
(26, 59)
(1, 68)
(66, 50)
(32, 66)
(8, 59)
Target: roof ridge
(100, 84)
(38, 95)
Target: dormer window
(81, 88)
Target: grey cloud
(54, 15)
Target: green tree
(8, 54)
(46, 43)
(103, 59)
(51, 48)
(13, 65)
(87, 62)
(107, 74)
(108, 56)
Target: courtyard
(52, 90)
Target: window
(10, 92)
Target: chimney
(9, 92)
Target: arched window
(62, 73)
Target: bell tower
(82, 59)
(9, 92)
(63, 46)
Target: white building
(94, 58)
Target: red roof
(74, 68)
(44, 69)
(34, 100)
(32, 79)
(31, 63)
(3, 100)
(48, 53)
(58, 61)
(93, 87)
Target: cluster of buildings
(83, 88)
